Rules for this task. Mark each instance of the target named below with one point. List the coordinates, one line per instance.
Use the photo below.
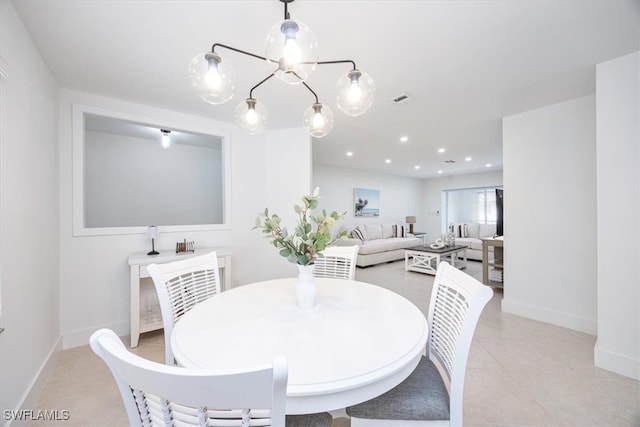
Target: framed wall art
(366, 202)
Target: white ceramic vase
(305, 288)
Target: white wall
(399, 196)
(94, 273)
(618, 166)
(432, 191)
(550, 214)
(28, 213)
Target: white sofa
(470, 234)
(378, 242)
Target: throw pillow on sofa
(358, 233)
(459, 230)
(388, 231)
(400, 231)
(373, 231)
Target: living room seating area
(470, 234)
(378, 242)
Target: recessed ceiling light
(416, 167)
(387, 161)
(441, 150)
(488, 165)
(404, 138)
(349, 153)
(440, 171)
(467, 159)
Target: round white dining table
(356, 343)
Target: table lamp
(411, 220)
(153, 235)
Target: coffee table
(425, 259)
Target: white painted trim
(616, 362)
(81, 337)
(30, 399)
(79, 228)
(565, 320)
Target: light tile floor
(520, 372)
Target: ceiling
(152, 133)
(466, 64)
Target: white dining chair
(423, 399)
(337, 262)
(159, 395)
(180, 285)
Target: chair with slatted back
(180, 285)
(159, 395)
(337, 262)
(423, 399)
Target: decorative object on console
(311, 236)
(291, 47)
(185, 246)
(152, 232)
(411, 220)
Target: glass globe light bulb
(318, 120)
(251, 116)
(212, 78)
(291, 47)
(355, 93)
(291, 52)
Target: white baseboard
(30, 399)
(80, 338)
(616, 362)
(566, 320)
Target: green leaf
(285, 252)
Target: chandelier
(290, 47)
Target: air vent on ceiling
(449, 161)
(403, 98)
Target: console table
(497, 263)
(138, 265)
